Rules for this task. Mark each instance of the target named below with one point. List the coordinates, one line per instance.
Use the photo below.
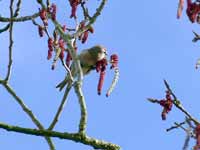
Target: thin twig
(67, 69)
(48, 3)
(5, 28)
(40, 2)
(95, 143)
(153, 100)
(11, 42)
(18, 8)
(92, 19)
(85, 11)
(196, 38)
(180, 126)
(186, 143)
(177, 103)
(28, 112)
(16, 13)
(177, 125)
(60, 108)
(19, 19)
(45, 28)
(83, 119)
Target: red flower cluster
(50, 46)
(167, 105)
(193, 10)
(40, 31)
(114, 61)
(101, 67)
(64, 28)
(69, 58)
(83, 37)
(43, 16)
(52, 11)
(61, 44)
(114, 65)
(180, 8)
(197, 134)
(74, 4)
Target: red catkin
(40, 31)
(114, 61)
(61, 44)
(101, 81)
(85, 37)
(166, 104)
(43, 16)
(74, 4)
(193, 9)
(50, 46)
(49, 54)
(64, 28)
(197, 136)
(91, 29)
(101, 67)
(68, 59)
(180, 8)
(53, 11)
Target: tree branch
(60, 108)
(177, 103)
(10, 41)
(15, 15)
(83, 120)
(28, 112)
(97, 144)
(20, 19)
(177, 125)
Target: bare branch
(85, 11)
(153, 100)
(196, 38)
(15, 15)
(60, 108)
(11, 42)
(76, 137)
(177, 125)
(83, 120)
(186, 143)
(20, 19)
(28, 112)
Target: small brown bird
(88, 59)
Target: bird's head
(100, 52)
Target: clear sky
(152, 45)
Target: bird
(88, 59)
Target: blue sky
(152, 45)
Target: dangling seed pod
(114, 65)
(53, 11)
(41, 31)
(101, 67)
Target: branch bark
(76, 137)
(28, 112)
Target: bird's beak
(106, 53)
